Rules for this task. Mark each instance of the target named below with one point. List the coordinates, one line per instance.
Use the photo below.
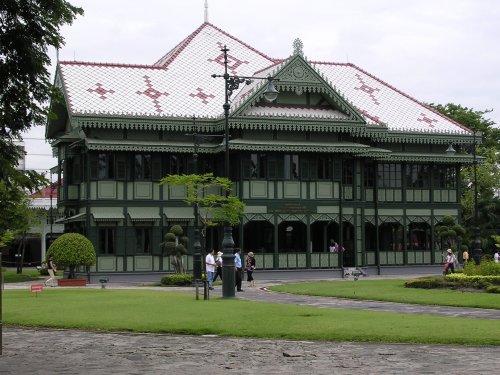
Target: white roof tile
(180, 84)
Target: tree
(72, 250)
(27, 29)
(488, 171)
(175, 245)
(449, 233)
(209, 193)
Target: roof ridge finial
(206, 11)
(297, 47)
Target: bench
(356, 274)
(103, 280)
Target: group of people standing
(214, 268)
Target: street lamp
(476, 251)
(233, 83)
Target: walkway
(80, 352)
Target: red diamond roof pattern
(180, 84)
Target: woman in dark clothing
(218, 263)
(250, 267)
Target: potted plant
(72, 250)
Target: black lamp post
(197, 265)
(476, 251)
(233, 83)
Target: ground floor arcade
(279, 241)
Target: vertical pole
(476, 252)
(197, 257)
(51, 208)
(228, 270)
(1, 287)
(197, 244)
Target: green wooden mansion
(340, 156)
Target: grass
(10, 276)
(392, 291)
(179, 313)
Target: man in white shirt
(496, 257)
(210, 264)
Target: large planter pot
(72, 282)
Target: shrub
(426, 283)
(454, 281)
(72, 250)
(493, 289)
(486, 268)
(177, 279)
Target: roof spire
(206, 11)
(297, 47)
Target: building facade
(341, 157)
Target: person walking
(52, 269)
(496, 257)
(210, 265)
(237, 269)
(465, 256)
(250, 267)
(450, 262)
(218, 265)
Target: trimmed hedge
(178, 279)
(429, 283)
(493, 289)
(454, 281)
(479, 279)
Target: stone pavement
(31, 351)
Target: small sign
(36, 288)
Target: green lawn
(10, 276)
(393, 291)
(180, 313)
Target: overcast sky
(437, 51)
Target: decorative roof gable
(296, 77)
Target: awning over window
(107, 213)
(144, 213)
(179, 213)
(77, 217)
(102, 216)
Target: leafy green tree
(72, 250)
(488, 170)
(27, 29)
(175, 245)
(209, 193)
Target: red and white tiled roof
(382, 103)
(180, 84)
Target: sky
(437, 51)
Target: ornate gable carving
(298, 71)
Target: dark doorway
(292, 237)
(258, 237)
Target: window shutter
(155, 241)
(120, 241)
(337, 169)
(94, 166)
(247, 167)
(156, 168)
(121, 167)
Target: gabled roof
(180, 85)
